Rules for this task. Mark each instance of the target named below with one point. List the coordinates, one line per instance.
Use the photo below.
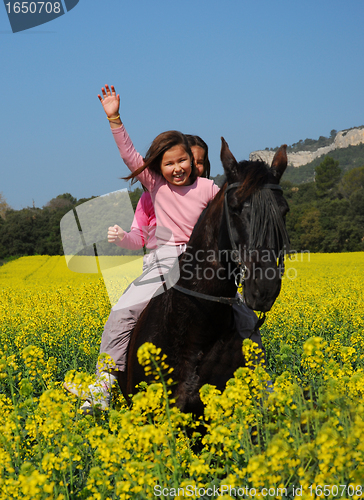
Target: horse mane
(256, 173)
(252, 175)
(266, 225)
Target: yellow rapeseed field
(304, 440)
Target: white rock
(343, 139)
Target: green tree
(4, 207)
(312, 232)
(61, 201)
(328, 174)
(352, 181)
(356, 201)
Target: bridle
(235, 256)
(240, 265)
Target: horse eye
(239, 211)
(245, 206)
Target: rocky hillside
(343, 139)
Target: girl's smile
(176, 166)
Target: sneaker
(98, 393)
(270, 387)
(87, 408)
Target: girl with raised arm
(179, 196)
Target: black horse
(240, 237)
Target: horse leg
(121, 377)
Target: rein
(223, 300)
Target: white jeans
(125, 313)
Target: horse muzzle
(262, 287)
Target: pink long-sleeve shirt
(142, 231)
(177, 208)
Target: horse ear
(279, 163)
(228, 160)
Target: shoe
(87, 408)
(270, 387)
(98, 393)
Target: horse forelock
(253, 175)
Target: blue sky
(260, 73)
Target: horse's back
(213, 362)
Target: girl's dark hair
(162, 143)
(195, 140)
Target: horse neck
(201, 266)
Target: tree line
(36, 231)
(326, 215)
(309, 144)
(348, 158)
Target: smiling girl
(179, 196)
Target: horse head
(253, 225)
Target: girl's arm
(132, 159)
(139, 234)
(134, 240)
(111, 104)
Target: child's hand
(110, 101)
(115, 233)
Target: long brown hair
(162, 143)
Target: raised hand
(110, 101)
(114, 234)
